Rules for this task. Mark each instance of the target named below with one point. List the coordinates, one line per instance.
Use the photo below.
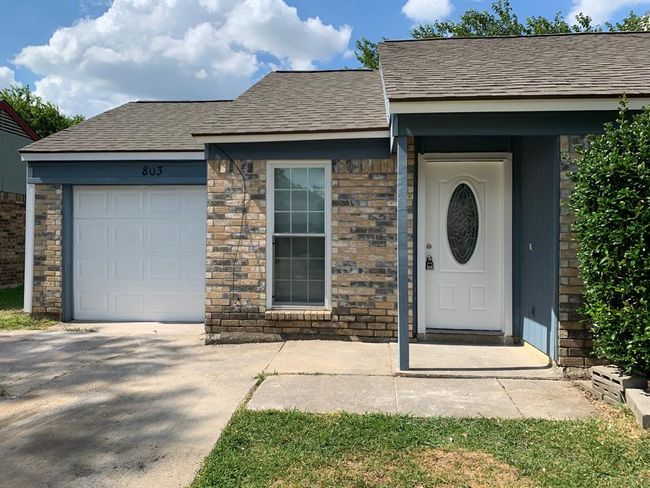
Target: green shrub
(612, 205)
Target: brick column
(47, 295)
(575, 343)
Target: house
(14, 134)
(422, 200)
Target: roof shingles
(135, 126)
(554, 66)
(304, 102)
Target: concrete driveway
(135, 405)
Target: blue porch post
(402, 254)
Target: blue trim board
(118, 172)
(67, 249)
(504, 124)
(402, 254)
(330, 149)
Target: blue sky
(90, 55)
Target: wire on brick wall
(242, 224)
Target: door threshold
(466, 336)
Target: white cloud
(144, 49)
(427, 10)
(7, 77)
(602, 10)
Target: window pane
(282, 269)
(299, 178)
(317, 178)
(316, 200)
(282, 291)
(316, 269)
(300, 269)
(282, 200)
(282, 225)
(316, 222)
(282, 178)
(299, 247)
(299, 222)
(317, 247)
(298, 200)
(317, 292)
(283, 247)
(300, 291)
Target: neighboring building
(421, 200)
(14, 134)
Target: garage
(139, 253)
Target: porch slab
(332, 357)
(423, 397)
(471, 361)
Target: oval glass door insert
(462, 223)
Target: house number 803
(152, 171)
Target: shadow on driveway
(116, 409)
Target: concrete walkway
(131, 405)
(483, 381)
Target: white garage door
(139, 253)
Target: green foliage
(632, 22)
(612, 206)
(42, 116)
(501, 20)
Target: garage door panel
(91, 203)
(91, 269)
(92, 302)
(131, 304)
(162, 234)
(139, 253)
(127, 234)
(128, 269)
(128, 202)
(91, 234)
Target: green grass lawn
(11, 315)
(291, 449)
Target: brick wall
(364, 254)
(47, 250)
(575, 344)
(12, 239)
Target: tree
(502, 21)
(42, 116)
(610, 201)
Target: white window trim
(270, 206)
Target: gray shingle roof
(577, 65)
(135, 126)
(304, 101)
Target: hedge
(611, 201)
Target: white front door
(139, 253)
(464, 244)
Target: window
(298, 216)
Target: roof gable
(13, 123)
